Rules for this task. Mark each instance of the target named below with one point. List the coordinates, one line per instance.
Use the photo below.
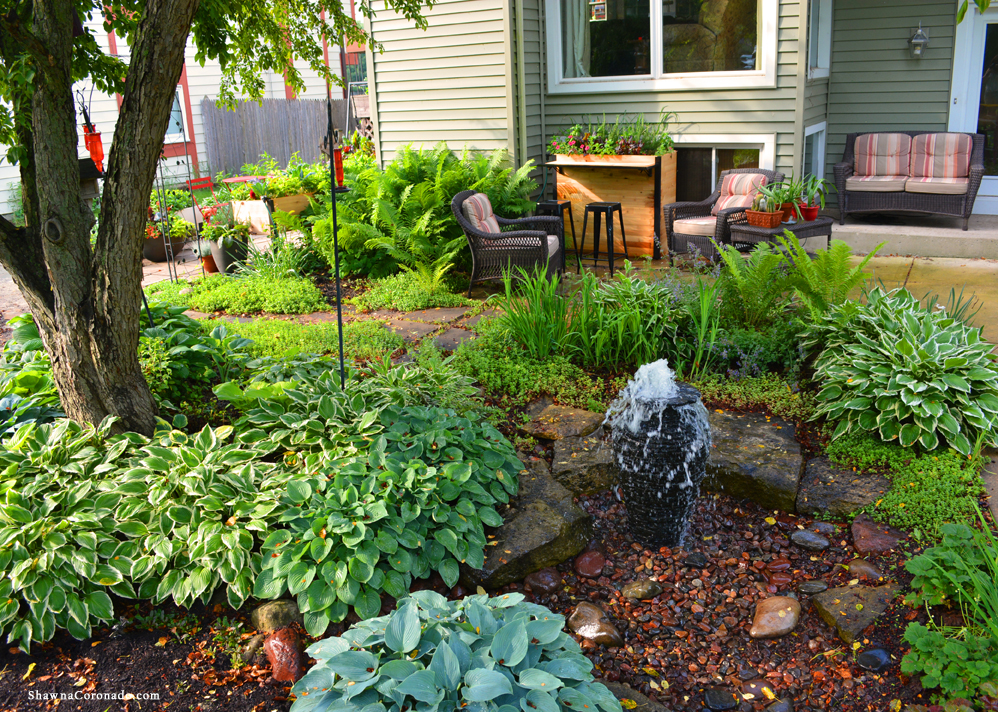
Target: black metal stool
(558, 208)
(599, 211)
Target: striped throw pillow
(941, 155)
(738, 190)
(882, 154)
(478, 210)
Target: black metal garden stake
(332, 139)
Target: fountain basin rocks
(775, 617)
(661, 440)
(850, 609)
(543, 528)
(754, 458)
(590, 621)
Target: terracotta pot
(808, 212)
(208, 262)
(788, 212)
(758, 218)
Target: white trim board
(820, 128)
(765, 77)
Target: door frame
(965, 91)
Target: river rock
(754, 458)
(850, 609)
(284, 651)
(861, 567)
(824, 528)
(558, 421)
(784, 705)
(544, 528)
(274, 615)
(718, 700)
(809, 540)
(547, 580)
(641, 590)
(757, 691)
(590, 564)
(875, 660)
(697, 560)
(869, 537)
(251, 647)
(837, 491)
(812, 586)
(775, 617)
(589, 621)
(640, 702)
(584, 465)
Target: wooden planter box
(641, 184)
(292, 203)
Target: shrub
(962, 571)
(480, 653)
(754, 290)
(907, 373)
(362, 340)
(243, 295)
(743, 352)
(769, 392)
(405, 291)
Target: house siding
(816, 101)
(725, 111)
(447, 83)
(533, 73)
(875, 85)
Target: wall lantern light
(918, 42)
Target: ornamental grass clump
(432, 654)
(908, 373)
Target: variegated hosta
(476, 655)
(907, 373)
(84, 513)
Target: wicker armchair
(523, 243)
(960, 206)
(679, 242)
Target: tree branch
(21, 254)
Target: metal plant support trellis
(332, 139)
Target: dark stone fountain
(661, 439)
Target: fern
(753, 290)
(825, 281)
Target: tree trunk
(86, 301)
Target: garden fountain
(661, 441)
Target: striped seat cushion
(738, 190)
(938, 186)
(695, 226)
(883, 154)
(941, 155)
(876, 184)
(478, 210)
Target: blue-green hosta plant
(417, 500)
(910, 374)
(477, 655)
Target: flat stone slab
(472, 321)
(851, 609)
(870, 537)
(544, 527)
(411, 331)
(836, 491)
(193, 314)
(754, 458)
(454, 337)
(584, 465)
(440, 315)
(556, 422)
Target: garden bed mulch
(694, 636)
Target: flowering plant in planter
(623, 137)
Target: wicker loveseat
(910, 171)
(526, 243)
(692, 225)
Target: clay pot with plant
(813, 190)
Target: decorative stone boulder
(558, 421)
(584, 465)
(837, 491)
(754, 458)
(543, 528)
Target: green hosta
(910, 374)
(414, 502)
(478, 655)
(83, 513)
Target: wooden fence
(278, 127)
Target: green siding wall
(447, 83)
(875, 85)
(816, 101)
(726, 111)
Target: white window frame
(177, 137)
(818, 66)
(765, 76)
(766, 143)
(821, 129)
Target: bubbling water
(661, 440)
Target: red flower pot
(808, 212)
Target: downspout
(521, 84)
(542, 21)
(801, 85)
(372, 91)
